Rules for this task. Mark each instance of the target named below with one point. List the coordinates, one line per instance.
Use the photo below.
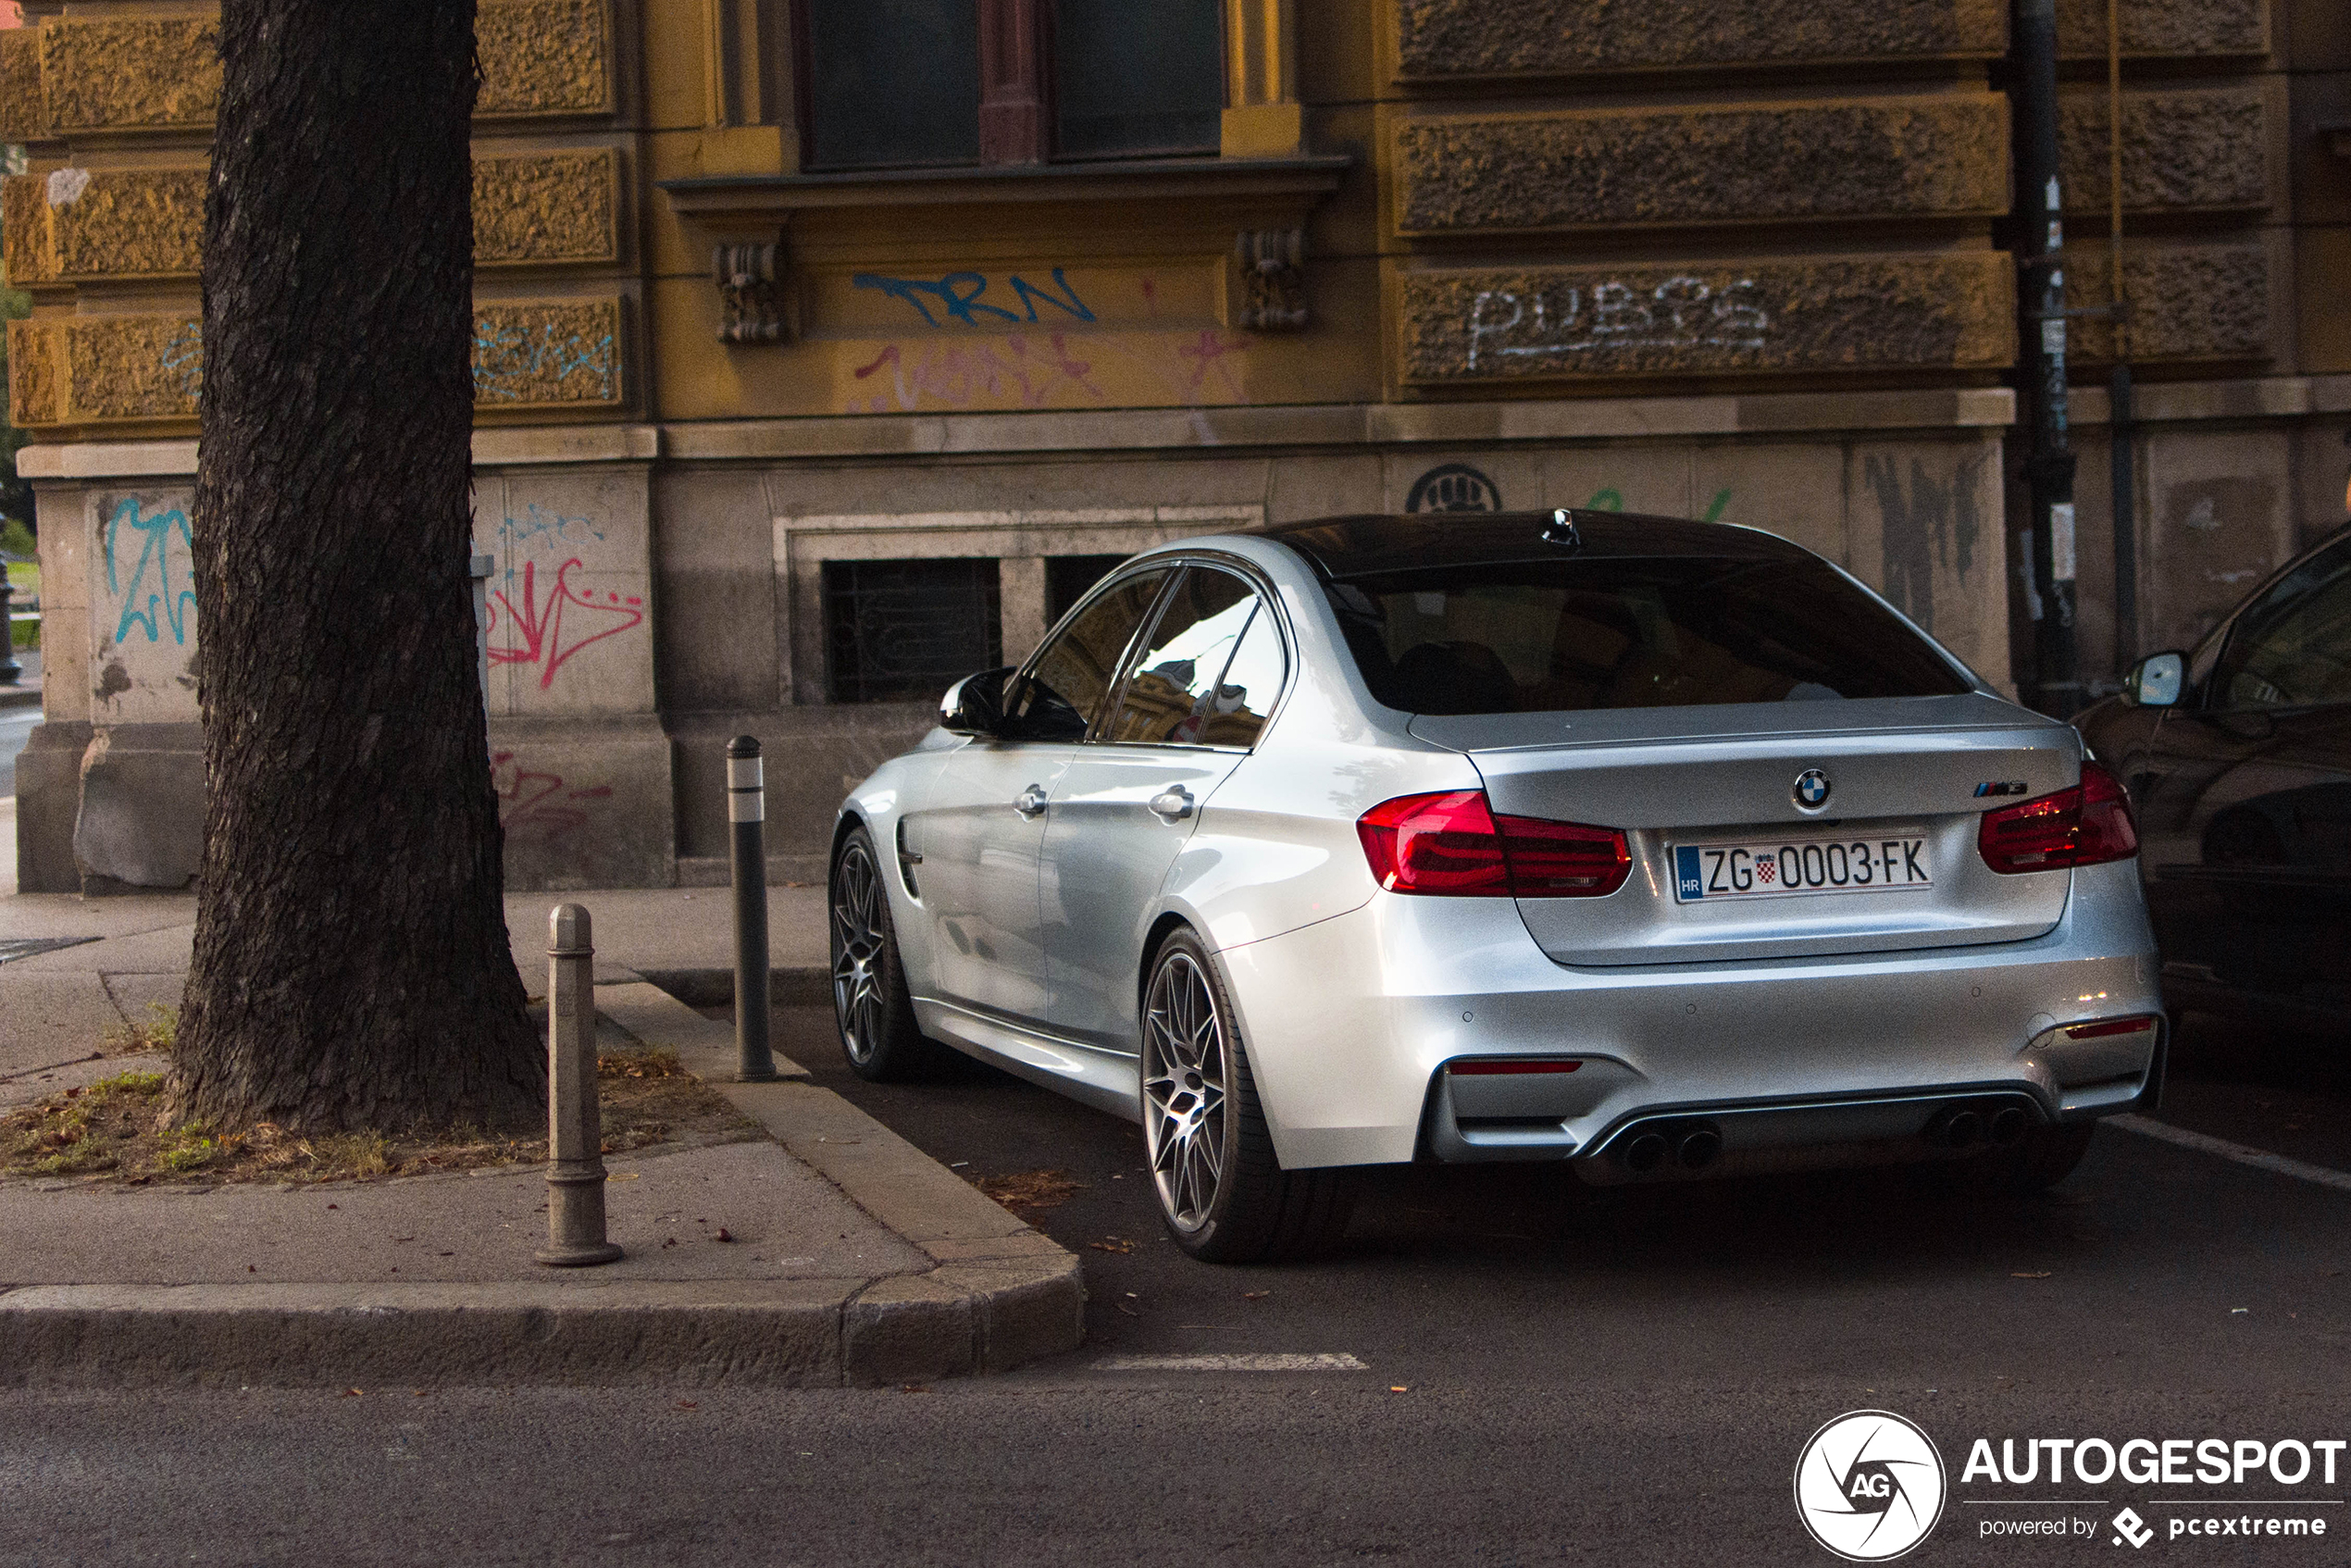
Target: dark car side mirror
(974, 706)
(2155, 681)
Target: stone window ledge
(737, 197)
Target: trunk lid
(1902, 775)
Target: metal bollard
(747, 809)
(575, 1130)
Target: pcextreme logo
(1870, 1486)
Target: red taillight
(2083, 826)
(1452, 844)
(2108, 1026)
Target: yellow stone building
(824, 350)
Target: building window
(904, 84)
(891, 82)
(1068, 576)
(904, 631)
(1135, 76)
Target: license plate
(1768, 869)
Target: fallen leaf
(334, 1205)
(724, 1234)
(1127, 1309)
(1397, 1388)
(1112, 1244)
(687, 1404)
(914, 1389)
(1031, 1189)
(2043, 1275)
(626, 1175)
(1255, 1295)
(350, 1394)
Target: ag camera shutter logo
(1870, 1486)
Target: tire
(873, 1013)
(1223, 1194)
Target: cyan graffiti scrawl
(542, 363)
(154, 589)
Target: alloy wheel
(1184, 1087)
(859, 939)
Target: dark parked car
(2237, 755)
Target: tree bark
(351, 959)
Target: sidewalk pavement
(853, 1258)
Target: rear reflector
(2083, 826)
(1494, 1069)
(1453, 845)
(2108, 1026)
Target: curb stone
(998, 1293)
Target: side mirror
(2155, 681)
(974, 706)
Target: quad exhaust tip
(1690, 1147)
(1968, 1126)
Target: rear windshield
(1640, 632)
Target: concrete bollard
(574, 1130)
(747, 809)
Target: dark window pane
(1638, 632)
(1137, 76)
(1071, 680)
(901, 631)
(893, 81)
(1172, 682)
(1068, 576)
(2292, 650)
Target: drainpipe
(2121, 470)
(2048, 464)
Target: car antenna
(1561, 530)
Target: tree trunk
(351, 959)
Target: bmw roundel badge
(1811, 790)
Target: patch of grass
(155, 1032)
(122, 1128)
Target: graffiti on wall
(959, 296)
(1033, 371)
(535, 807)
(543, 631)
(542, 362)
(1930, 524)
(147, 569)
(1679, 313)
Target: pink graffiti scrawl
(544, 641)
(530, 804)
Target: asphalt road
(1548, 1375)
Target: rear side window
(1171, 684)
(1629, 632)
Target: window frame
(1267, 600)
(1025, 127)
(1116, 689)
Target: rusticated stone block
(538, 58)
(70, 370)
(130, 73)
(2204, 149)
(2159, 27)
(547, 207)
(20, 85)
(1437, 38)
(544, 57)
(1919, 156)
(1768, 316)
(106, 223)
(547, 353)
(2187, 303)
(149, 222)
(94, 369)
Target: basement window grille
(904, 631)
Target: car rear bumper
(1351, 1022)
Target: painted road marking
(1272, 1362)
(2259, 1159)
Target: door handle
(1031, 801)
(1173, 803)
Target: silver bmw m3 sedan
(1665, 848)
